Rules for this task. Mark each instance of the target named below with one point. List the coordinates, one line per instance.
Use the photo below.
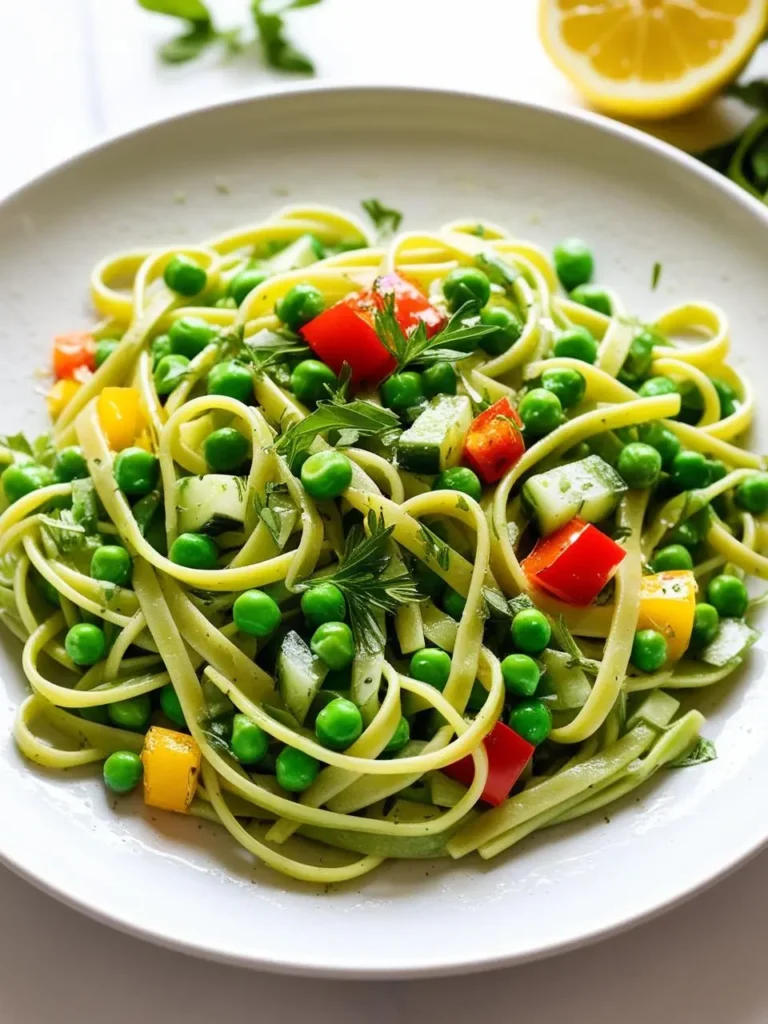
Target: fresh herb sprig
(385, 218)
(362, 578)
(201, 34)
(569, 645)
(263, 351)
(265, 509)
(703, 752)
(744, 158)
(416, 346)
(354, 420)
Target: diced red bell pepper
(574, 563)
(345, 332)
(494, 442)
(508, 754)
(74, 355)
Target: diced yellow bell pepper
(60, 395)
(667, 604)
(171, 766)
(120, 416)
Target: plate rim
(282, 965)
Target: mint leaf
(703, 752)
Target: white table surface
(72, 71)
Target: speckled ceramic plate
(437, 156)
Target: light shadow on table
(702, 962)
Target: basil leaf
(703, 752)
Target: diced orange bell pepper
(494, 442)
(668, 604)
(171, 767)
(60, 395)
(120, 416)
(73, 354)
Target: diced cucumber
(569, 687)
(210, 503)
(436, 439)
(588, 488)
(300, 675)
(658, 709)
(301, 253)
(734, 638)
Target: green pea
(439, 379)
(454, 604)
(521, 675)
(195, 551)
(541, 411)
(727, 397)
(311, 380)
(256, 613)
(161, 347)
(466, 284)
(574, 263)
(233, 379)
(20, 480)
(649, 650)
(508, 330)
(133, 713)
(752, 494)
(637, 363)
(97, 713)
(399, 738)
(300, 305)
(295, 770)
(334, 644)
(728, 596)
(323, 602)
(169, 373)
(70, 464)
(326, 475)
(459, 479)
(431, 665)
(225, 450)
(122, 771)
(663, 440)
(242, 284)
(188, 336)
(136, 471)
(691, 403)
(339, 724)
(531, 631)
(671, 558)
(171, 705)
(717, 470)
(576, 343)
(532, 720)
(594, 297)
(639, 464)
(401, 391)
(249, 741)
(685, 533)
(655, 386)
(569, 385)
(690, 470)
(104, 350)
(706, 622)
(184, 275)
(85, 643)
(112, 563)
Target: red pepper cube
(494, 442)
(508, 754)
(574, 563)
(345, 333)
(74, 354)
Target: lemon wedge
(650, 58)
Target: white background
(72, 71)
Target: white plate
(437, 156)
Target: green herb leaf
(434, 548)
(655, 275)
(499, 272)
(19, 445)
(367, 419)
(266, 512)
(386, 219)
(189, 10)
(569, 645)
(496, 604)
(188, 46)
(754, 93)
(278, 51)
(85, 505)
(144, 510)
(702, 752)
(416, 346)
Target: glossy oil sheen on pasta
(174, 623)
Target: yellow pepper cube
(171, 767)
(120, 416)
(60, 395)
(667, 604)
